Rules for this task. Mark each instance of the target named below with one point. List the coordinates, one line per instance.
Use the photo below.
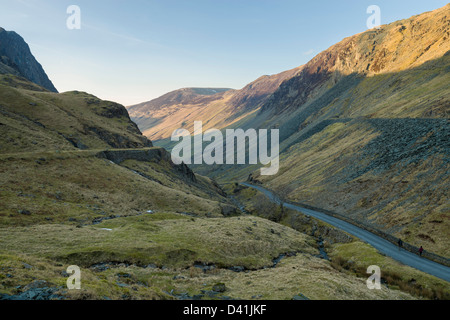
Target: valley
(364, 157)
(363, 131)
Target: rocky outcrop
(16, 58)
(153, 154)
(116, 140)
(37, 290)
(395, 47)
(149, 155)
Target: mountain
(179, 109)
(163, 111)
(73, 161)
(364, 130)
(16, 58)
(81, 186)
(390, 50)
(177, 97)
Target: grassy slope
(67, 191)
(86, 188)
(406, 198)
(174, 243)
(57, 201)
(54, 191)
(38, 120)
(391, 173)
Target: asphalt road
(382, 245)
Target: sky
(131, 51)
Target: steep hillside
(388, 51)
(171, 110)
(73, 134)
(364, 130)
(16, 58)
(158, 118)
(184, 96)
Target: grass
(355, 257)
(347, 254)
(50, 194)
(94, 286)
(85, 188)
(168, 240)
(174, 243)
(39, 121)
(404, 199)
(49, 249)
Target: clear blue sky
(132, 51)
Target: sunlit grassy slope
(351, 168)
(36, 120)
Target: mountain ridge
(16, 58)
(364, 130)
(374, 52)
(158, 118)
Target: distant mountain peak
(16, 58)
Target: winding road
(382, 245)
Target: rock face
(149, 155)
(17, 59)
(393, 48)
